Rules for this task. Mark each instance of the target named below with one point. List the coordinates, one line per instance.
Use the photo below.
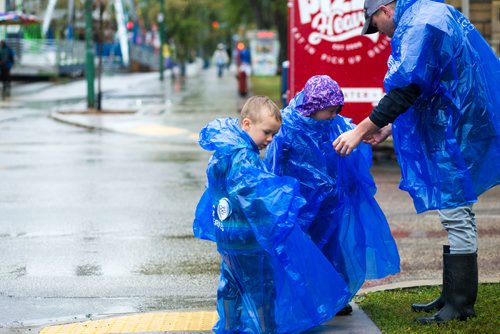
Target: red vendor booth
(325, 38)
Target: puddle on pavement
(48, 105)
(177, 237)
(88, 270)
(90, 239)
(19, 271)
(175, 303)
(190, 267)
(177, 157)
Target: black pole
(99, 72)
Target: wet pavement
(96, 219)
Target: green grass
(268, 86)
(391, 311)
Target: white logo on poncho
(224, 208)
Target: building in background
(264, 48)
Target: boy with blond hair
(273, 279)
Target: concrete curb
(416, 283)
(134, 125)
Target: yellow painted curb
(140, 323)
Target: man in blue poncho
(341, 214)
(273, 278)
(442, 101)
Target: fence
(48, 57)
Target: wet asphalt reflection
(96, 223)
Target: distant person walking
(221, 59)
(6, 63)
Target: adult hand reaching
(379, 136)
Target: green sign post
(89, 55)
(161, 27)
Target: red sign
(325, 38)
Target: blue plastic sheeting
(447, 143)
(273, 278)
(341, 214)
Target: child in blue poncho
(273, 279)
(341, 214)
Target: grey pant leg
(460, 223)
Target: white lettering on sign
(339, 23)
(363, 95)
(377, 49)
(332, 21)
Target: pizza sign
(325, 38)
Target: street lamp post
(161, 27)
(99, 69)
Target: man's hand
(379, 136)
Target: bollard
(284, 82)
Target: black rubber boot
(437, 303)
(460, 291)
(346, 310)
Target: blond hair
(256, 105)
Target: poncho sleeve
(270, 203)
(203, 226)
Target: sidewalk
(202, 321)
(198, 322)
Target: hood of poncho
(224, 135)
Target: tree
(263, 15)
(188, 25)
(189, 22)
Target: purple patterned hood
(320, 92)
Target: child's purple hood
(320, 92)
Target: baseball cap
(371, 6)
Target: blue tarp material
(447, 143)
(341, 214)
(273, 278)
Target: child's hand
(346, 142)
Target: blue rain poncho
(273, 278)
(447, 143)
(341, 214)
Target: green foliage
(260, 15)
(188, 25)
(391, 311)
(268, 86)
